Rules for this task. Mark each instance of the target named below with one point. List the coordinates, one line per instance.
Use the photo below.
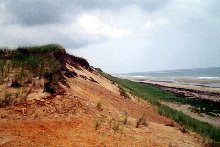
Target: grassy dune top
(27, 50)
(24, 66)
(36, 59)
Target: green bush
(6, 101)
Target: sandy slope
(68, 120)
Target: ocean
(208, 77)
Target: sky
(119, 36)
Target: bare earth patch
(91, 112)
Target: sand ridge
(69, 119)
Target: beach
(188, 90)
(189, 87)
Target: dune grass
(37, 59)
(19, 66)
(154, 95)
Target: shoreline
(187, 87)
(195, 92)
(155, 96)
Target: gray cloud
(38, 12)
(135, 35)
(148, 5)
(34, 12)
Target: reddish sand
(69, 119)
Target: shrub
(125, 120)
(15, 83)
(141, 121)
(17, 94)
(4, 70)
(116, 125)
(41, 70)
(54, 65)
(97, 124)
(100, 105)
(48, 87)
(32, 62)
(6, 101)
(123, 92)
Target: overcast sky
(119, 36)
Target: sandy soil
(79, 131)
(69, 119)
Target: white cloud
(92, 26)
(156, 23)
(81, 31)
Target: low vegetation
(37, 61)
(100, 104)
(141, 121)
(125, 119)
(23, 67)
(154, 95)
(97, 124)
(208, 107)
(18, 68)
(123, 92)
(116, 125)
(6, 101)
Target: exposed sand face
(69, 119)
(79, 131)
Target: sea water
(209, 77)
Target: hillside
(51, 98)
